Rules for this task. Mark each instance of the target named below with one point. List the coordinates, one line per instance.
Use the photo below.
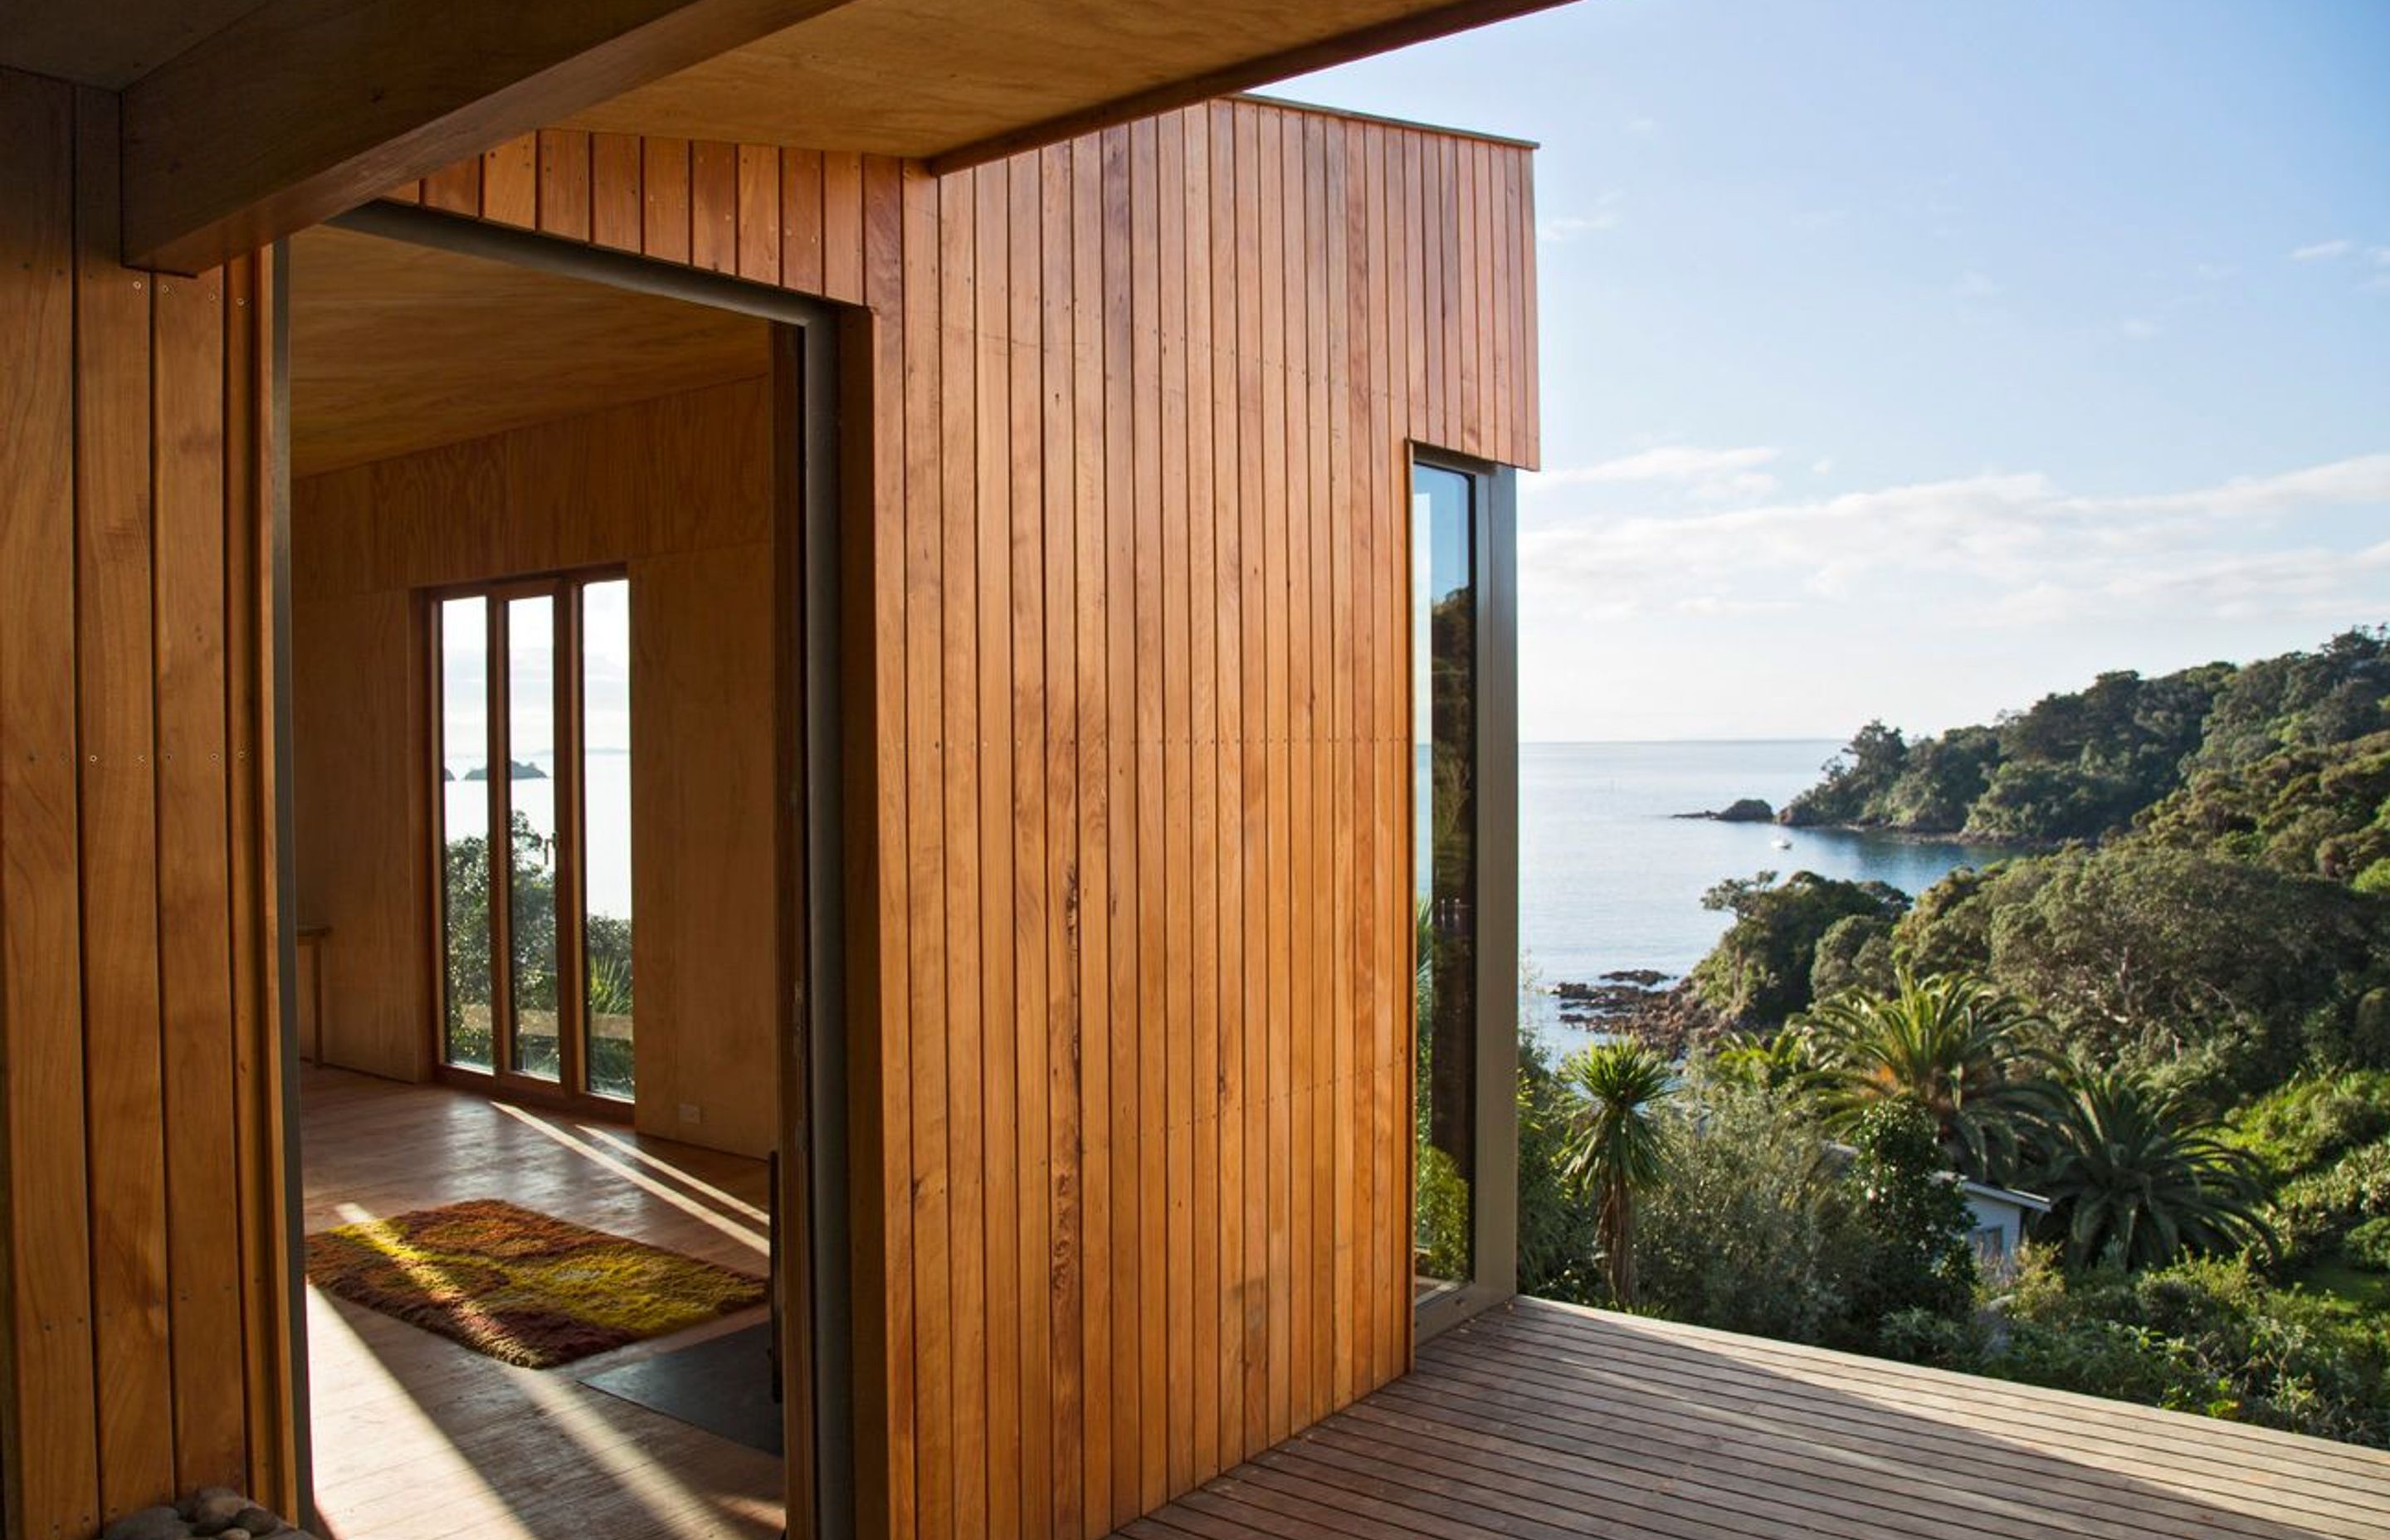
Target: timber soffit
(244, 122)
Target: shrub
(2369, 1245)
(2311, 1213)
(1750, 1228)
(2209, 1336)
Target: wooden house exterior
(1128, 413)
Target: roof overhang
(244, 121)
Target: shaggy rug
(519, 1286)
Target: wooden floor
(417, 1435)
(1544, 1421)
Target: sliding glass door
(533, 816)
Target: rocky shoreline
(1655, 1009)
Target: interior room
(532, 591)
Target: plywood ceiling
(925, 77)
(396, 347)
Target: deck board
(1544, 1420)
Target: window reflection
(1445, 755)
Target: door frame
(570, 1091)
(811, 607)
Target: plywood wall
(145, 1309)
(1132, 1149)
(677, 491)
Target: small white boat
(1781, 843)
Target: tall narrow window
(1444, 652)
(604, 718)
(531, 771)
(465, 790)
(533, 722)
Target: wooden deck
(1544, 1420)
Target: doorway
(561, 644)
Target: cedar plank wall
(141, 1339)
(677, 491)
(1133, 1125)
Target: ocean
(1608, 881)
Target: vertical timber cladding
(146, 1312)
(1132, 1117)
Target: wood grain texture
(1550, 1421)
(1011, 75)
(294, 112)
(141, 1262)
(1036, 596)
(377, 325)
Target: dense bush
(2308, 1122)
(2209, 1335)
(1760, 971)
(2369, 1245)
(1919, 1263)
(2080, 764)
(2311, 1214)
(2222, 976)
(1559, 1235)
(1752, 1227)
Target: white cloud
(2000, 550)
(2324, 250)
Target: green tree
(1854, 779)
(1951, 1045)
(1615, 1148)
(2132, 1179)
(1751, 1227)
(2219, 975)
(1759, 972)
(1916, 1214)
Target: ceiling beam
(1399, 32)
(301, 108)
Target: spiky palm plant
(1966, 1052)
(1616, 1147)
(2129, 1175)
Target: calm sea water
(1608, 881)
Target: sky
(1912, 361)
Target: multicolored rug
(520, 1286)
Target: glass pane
(465, 829)
(531, 790)
(1443, 671)
(605, 799)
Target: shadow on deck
(1545, 1420)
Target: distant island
(522, 770)
(1746, 810)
